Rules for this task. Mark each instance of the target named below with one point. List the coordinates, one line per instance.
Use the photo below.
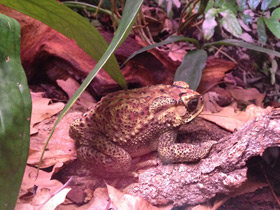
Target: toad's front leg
(172, 152)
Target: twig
(270, 185)
(219, 50)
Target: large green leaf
(209, 24)
(129, 14)
(15, 111)
(227, 5)
(273, 3)
(72, 25)
(191, 68)
(273, 22)
(242, 5)
(261, 30)
(253, 4)
(230, 22)
(265, 4)
(245, 45)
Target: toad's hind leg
(104, 156)
(169, 151)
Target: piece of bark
(222, 172)
(83, 176)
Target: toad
(132, 123)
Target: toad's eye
(192, 104)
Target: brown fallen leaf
(128, 202)
(247, 96)
(99, 201)
(233, 120)
(56, 200)
(210, 102)
(213, 73)
(41, 109)
(61, 147)
(46, 188)
(70, 86)
(177, 51)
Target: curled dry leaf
(233, 120)
(213, 73)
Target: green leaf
(209, 5)
(253, 4)
(261, 30)
(191, 68)
(72, 25)
(239, 43)
(230, 23)
(247, 19)
(227, 5)
(169, 40)
(15, 112)
(129, 14)
(242, 5)
(273, 22)
(273, 3)
(209, 24)
(265, 4)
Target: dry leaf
(70, 86)
(99, 201)
(46, 187)
(24, 206)
(213, 73)
(128, 202)
(61, 147)
(177, 51)
(210, 102)
(247, 96)
(233, 120)
(56, 200)
(41, 109)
